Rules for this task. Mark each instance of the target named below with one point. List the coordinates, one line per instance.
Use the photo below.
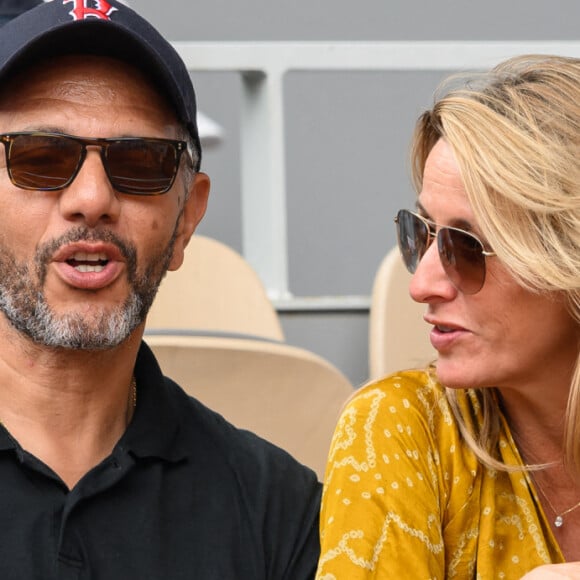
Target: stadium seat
(398, 335)
(285, 394)
(215, 290)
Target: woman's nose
(430, 283)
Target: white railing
(263, 179)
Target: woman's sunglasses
(461, 253)
(51, 161)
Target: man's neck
(68, 408)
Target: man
(107, 469)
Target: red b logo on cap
(102, 9)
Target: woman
(471, 468)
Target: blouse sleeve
(384, 491)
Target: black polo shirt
(184, 494)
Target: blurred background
(346, 137)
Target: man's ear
(193, 210)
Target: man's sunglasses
(461, 253)
(51, 161)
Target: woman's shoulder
(409, 407)
(408, 388)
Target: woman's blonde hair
(515, 133)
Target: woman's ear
(193, 210)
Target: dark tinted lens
(43, 162)
(462, 258)
(413, 238)
(141, 166)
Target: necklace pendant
(559, 521)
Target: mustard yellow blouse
(404, 497)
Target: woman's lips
(445, 334)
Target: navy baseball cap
(11, 8)
(103, 28)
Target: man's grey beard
(24, 304)
(74, 331)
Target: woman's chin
(453, 375)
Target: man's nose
(91, 198)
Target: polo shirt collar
(6, 441)
(156, 425)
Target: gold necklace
(559, 519)
(133, 399)
(132, 402)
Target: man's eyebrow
(42, 129)
(61, 131)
